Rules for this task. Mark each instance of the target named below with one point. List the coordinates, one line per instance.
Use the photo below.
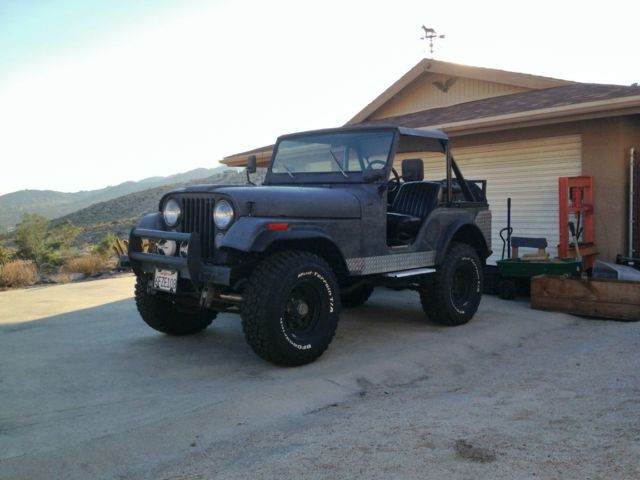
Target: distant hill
(54, 204)
(120, 214)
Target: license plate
(166, 280)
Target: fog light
(166, 247)
(184, 249)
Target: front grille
(197, 216)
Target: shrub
(42, 242)
(86, 264)
(5, 255)
(105, 247)
(31, 237)
(18, 273)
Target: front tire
(454, 293)
(165, 316)
(290, 308)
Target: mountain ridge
(53, 204)
(120, 214)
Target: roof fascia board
(583, 111)
(477, 73)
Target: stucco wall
(630, 137)
(605, 156)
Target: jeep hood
(284, 201)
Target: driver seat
(412, 171)
(411, 206)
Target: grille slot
(197, 216)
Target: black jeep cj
(333, 220)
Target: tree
(31, 235)
(61, 236)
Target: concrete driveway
(88, 391)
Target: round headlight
(223, 214)
(171, 213)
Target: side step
(410, 273)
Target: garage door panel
(527, 171)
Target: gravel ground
(91, 392)
(559, 404)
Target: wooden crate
(616, 299)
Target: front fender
(152, 221)
(252, 234)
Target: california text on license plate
(166, 280)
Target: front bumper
(191, 267)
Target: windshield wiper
(338, 164)
(289, 171)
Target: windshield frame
(349, 176)
(430, 140)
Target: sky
(97, 92)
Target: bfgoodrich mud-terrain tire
(453, 294)
(165, 316)
(290, 308)
(356, 297)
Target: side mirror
(370, 175)
(251, 164)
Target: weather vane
(430, 34)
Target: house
(520, 132)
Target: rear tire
(356, 297)
(454, 292)
(164, 316)
(290, 308)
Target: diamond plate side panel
(390, 263)
(483, 221)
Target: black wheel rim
(463, 284)
(302, 311)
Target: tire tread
(163, 316)
(256, 295)
(433, 296)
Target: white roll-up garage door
(527, 171)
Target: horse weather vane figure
(430, 34)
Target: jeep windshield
(336, 154)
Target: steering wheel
(394, 183)
(382, 164)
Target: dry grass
(87, 264)
(18, 273)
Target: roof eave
(240, 159)
(583, 111)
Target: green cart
(512, 269)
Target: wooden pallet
(615, 299)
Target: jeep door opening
(333, 220)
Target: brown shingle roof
(515, 103)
